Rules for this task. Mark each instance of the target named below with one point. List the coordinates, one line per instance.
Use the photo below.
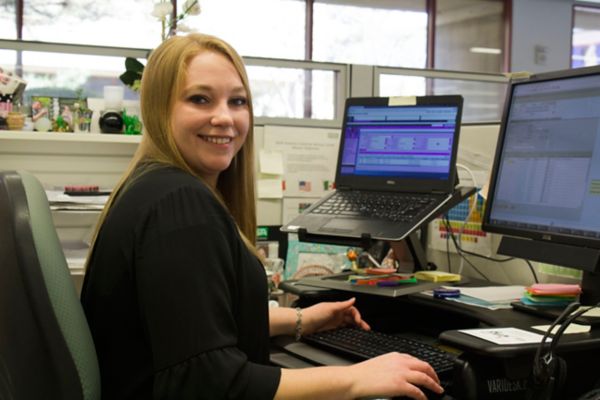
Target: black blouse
(176, 303)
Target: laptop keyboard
(358, 344)
(389, 206)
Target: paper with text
(504, 335)
(309, 158)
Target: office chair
(46, 348)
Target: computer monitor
(544, 194)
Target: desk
(491, 371)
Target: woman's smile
(216, 139)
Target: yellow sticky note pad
(402, 101)
(437, 276)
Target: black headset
(549, 370)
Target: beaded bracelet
(298, 329)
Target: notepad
(572, 328)
(504, 336)
(437, 276)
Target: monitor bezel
(523, 232)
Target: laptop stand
(416, 245)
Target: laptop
(392, 150)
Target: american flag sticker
(304, 186)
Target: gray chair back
(46, 348)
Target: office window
(469, 35)
(375, 32)
(66, 75)
(8, 60)
(107, 23)
(8, 29)
(482, 100)
(586, 37)
(281, 92)
(248, 25)
(259, 28)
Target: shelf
(70, 137)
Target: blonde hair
(163, 80)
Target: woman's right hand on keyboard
(394, 374)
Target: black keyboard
(359, 345)
(391, 206)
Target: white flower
(181, 27)
(171, 24)
(162, 10)
(191, 7)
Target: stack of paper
(493, 294)
(551, 294)
(60, 201)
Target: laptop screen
(413, 142)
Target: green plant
(132, 76)
(170, 25)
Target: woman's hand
(330, 315)
(394, 374)
(391, 374)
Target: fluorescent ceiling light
(485, 50)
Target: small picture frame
(41, 106)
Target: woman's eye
(198, 99)
(239, 101)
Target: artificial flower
(162, 10)
(191, 7)
(181, 27)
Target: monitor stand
(413, 242)
(416, 245)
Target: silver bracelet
(298, 329)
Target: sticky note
(402, 101)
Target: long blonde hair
(163, 80)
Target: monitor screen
(546, 181)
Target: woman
(174, 294)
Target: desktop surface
(551, 313)
(487, 368)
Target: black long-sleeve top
(176, 303)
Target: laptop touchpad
(339, 225)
